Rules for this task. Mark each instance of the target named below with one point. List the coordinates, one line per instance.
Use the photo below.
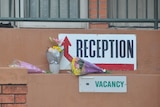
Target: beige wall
(61, 90)
(30, 45)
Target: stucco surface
(61, 90)
(30, 45)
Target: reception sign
(108, 51)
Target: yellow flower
(58, 48)
(76, 71)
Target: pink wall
(30, 45)
(61, 90)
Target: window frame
(141, 9)
(83, 14)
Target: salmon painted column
(13, 87)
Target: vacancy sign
(116, 84)
(108, 51)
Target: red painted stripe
(123, 67)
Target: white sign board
(115, 84)
(114, 51)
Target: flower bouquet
(54, 55)
(21, 64)
(82, 67)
